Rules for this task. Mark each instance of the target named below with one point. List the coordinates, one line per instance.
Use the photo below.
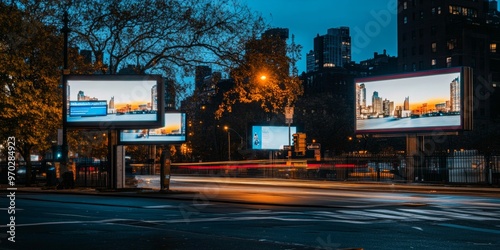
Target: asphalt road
(223, 213)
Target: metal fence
(91, 173)
(461, 167)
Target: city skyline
(420, 89)
(372, 24)
(134, 93)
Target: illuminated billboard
(435, 100)
(271, 137)
(174, 131)
(113, 101)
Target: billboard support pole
(113, 167)
(411, 151)
(165, 169)
(289, 110)
(64, 148)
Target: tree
(264, 76)
(30, 60)
(162, 35)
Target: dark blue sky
(372, 23)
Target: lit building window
(463, 11)
(405, 19)
(433, 47)
(433, 62)
(405, 5)
(448, 62)
(451, 44)
(493, 48)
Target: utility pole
(65, 30)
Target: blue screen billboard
(271, 137)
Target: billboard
(174, 131)
(435, 100)
(113, 101)
(271, 137)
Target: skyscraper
(311, 62)
(455, 95)
(200, 73)
(406, 103)
(453, 33)
(377, 103)
(332, 50)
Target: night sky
(372, 23)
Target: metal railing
(462, 167)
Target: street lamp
(228, 129)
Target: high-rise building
(455, 96)
(377, 103)
(453, 33)
(200, 73)
(380, 64)
(311, 62)
(332, 50)
(406, 103)
(154, 98)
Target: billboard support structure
(412, 145)
(165, 169)
(415, 105)
(65, 30)
(112, 154)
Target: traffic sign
(311, 146)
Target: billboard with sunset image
(435, 100)
(113, 101)
(174, 131)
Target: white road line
(462, 215)
(70, 215)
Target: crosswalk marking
(369, 214)
(375, 215)
(495, 214)
(406, 215)
(458, 215)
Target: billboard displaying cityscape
(271, 137)
(437, 100)
(113, 101)
(174, 131)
